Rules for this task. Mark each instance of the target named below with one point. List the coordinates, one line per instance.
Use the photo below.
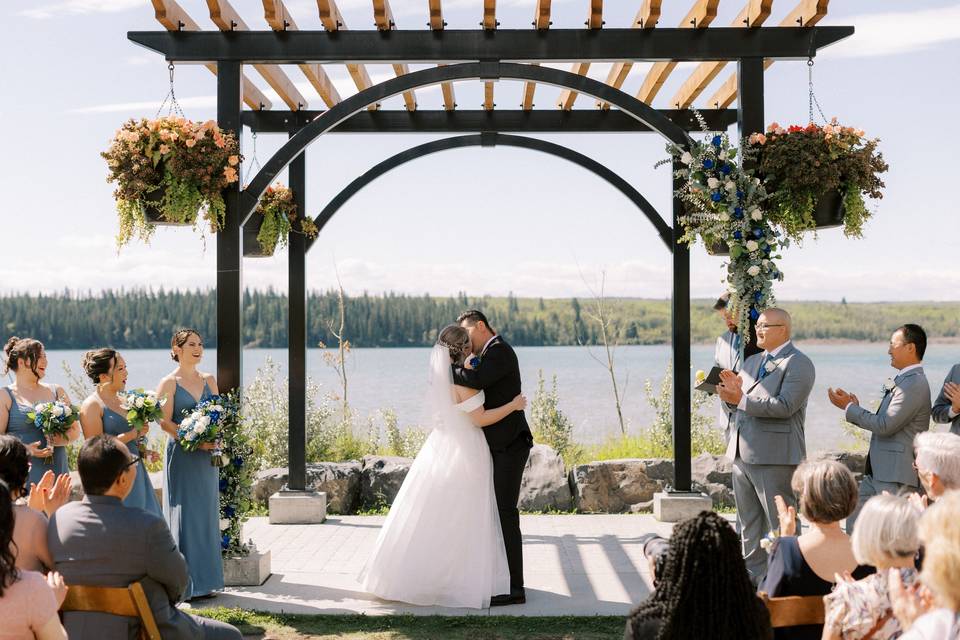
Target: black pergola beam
(518, 45)
(475, 120)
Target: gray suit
(941, 408)
(903, 413)
(726, 355)
(767, 445)
(100, 542)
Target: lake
(396, 379)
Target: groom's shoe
(516, 596)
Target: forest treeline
(146, 318)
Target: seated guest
(704, 590)
(885, 538)
(30, 527)
(28, 601)
(938, 462)
(807, 565)
(100, 542)
(932, 612)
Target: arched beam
(464, 71)
(493, 139)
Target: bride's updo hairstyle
(456, 339)
(27, 349)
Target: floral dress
(861, 609)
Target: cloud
(147, 106)
(896, 33)
(74, 7)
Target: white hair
(886, 531)
(939, 453)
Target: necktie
(763, 366)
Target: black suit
(498, 375)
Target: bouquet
(143, 407)
(53, 419)
(205, 425)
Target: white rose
(38, 408)
(752, 245)
(224, 524)
(686, 158)
(67, 411)
(190, 437)
(754, 270)
(724, 217)
(756, 181)
(756, 215)
(730, 186)
(766, 262)
(722, 155)
(713, 183)
(57, 410)
(139, 403)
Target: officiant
(726, 354)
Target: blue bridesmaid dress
(142, 495)
(22, 427)
(191, 505)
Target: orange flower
(230, 174)
(164, 149)
(190, 143)
(233, 160)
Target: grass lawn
(356, 627)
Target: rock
(339, 480)
(710, 469)
(544, 486)
(380, 479)
(720, 494)
(76, 489)
(856, 462)
(613, 486)
(659, 469)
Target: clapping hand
(50, 494)
(58, 586)
(787, 516)
(908, 603)
(919, 502)
(952, 391)
(841, 398)
(730, 388)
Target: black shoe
(516, 596)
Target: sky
(485, 221)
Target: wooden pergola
(485, 54)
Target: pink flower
(164, 149)
(190, 143)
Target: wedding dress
(442, 544)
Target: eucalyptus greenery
(236, 479)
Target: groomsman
(903, 413)
(767, 443)
(947, 407)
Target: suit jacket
(499, 376)
(726, 355)
(100, 542)
(904, 412)
(941, 408)
(770, 427)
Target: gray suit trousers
(869, 487)
(754, 487)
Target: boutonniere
(888, 386)
(771, 365)
(475, 362)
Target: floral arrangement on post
(171, 169)
(802, 165)
(236, 479)
(279, 215)
(724, 203)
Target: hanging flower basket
(818, 176)
(170, 171)
(272, 223)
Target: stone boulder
(615, 486)
(856, 462)
(545, 486)
(710, 469)
(339, 480)
(380, 479)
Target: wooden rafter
(437, 24)
(541, 20)
(594, 21)
(332, 20)
(383, 17)
(173, 18)
(489, 22)
(227, 19)
(488, 103)
(699, 17)
(279, 19)
(753, 14)
(806, 14)
(647, 18)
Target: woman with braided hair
(704, 590)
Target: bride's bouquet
(142, 407)
(205, 424)
(53, 419)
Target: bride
(441, 544)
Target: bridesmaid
(191, 503)
(27, 360)
(101, 412)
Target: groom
(510, 440)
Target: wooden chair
(792, 611)
(128, 601)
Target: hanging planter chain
(812, 98)
(171, 97)
(254, 162)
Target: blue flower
(758, 233)
(757, 296)
(38, 421)
(708, 163)
(740, 195)
(474, 362)
(238, 462)
(228, 511)
(225, 541)
(725, 169)
(738, 213)
(223, 484)
(717, 141)
(766, 250)
(737, 235)
(754, 314)
(716, 196)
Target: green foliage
(236, 478)
(277, 208)
(550, 425)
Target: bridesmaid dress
(191, 505)
(22, 427)
(142, 495)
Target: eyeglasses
(764, 326)
(132, 462)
